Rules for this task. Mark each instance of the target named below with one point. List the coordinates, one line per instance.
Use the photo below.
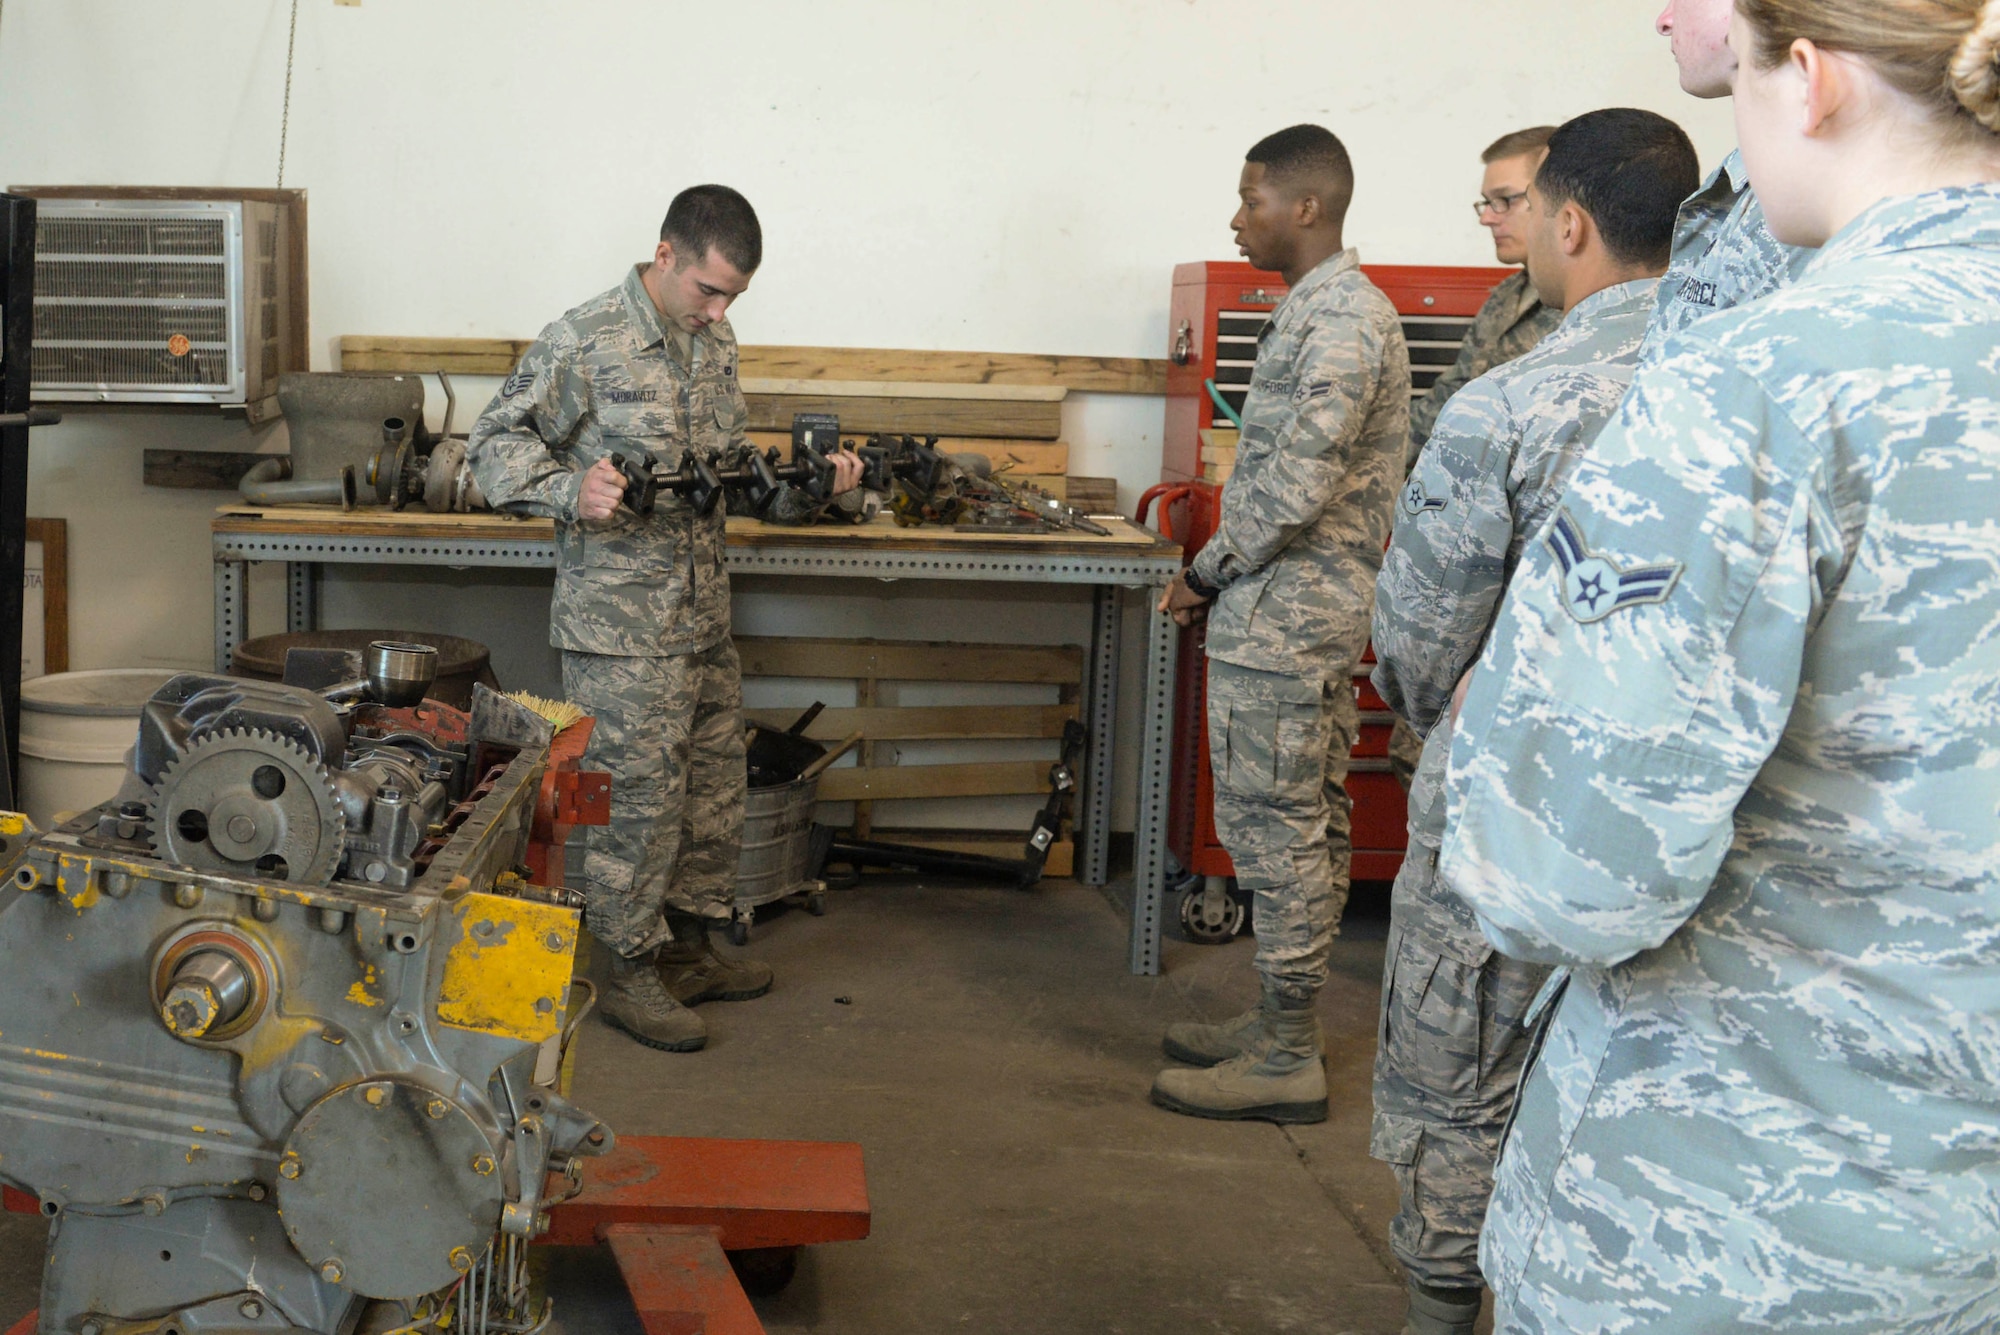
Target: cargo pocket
(1299, 763)
(1432, 1029)
(1275, 749)
(1395, 1140)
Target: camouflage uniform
(1453, 1034)
(1512, 320)
(641, 607)
(1295, 552)
(1732, 755)
(1724, 255)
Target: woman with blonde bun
(1732, 753)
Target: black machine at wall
(17, 342)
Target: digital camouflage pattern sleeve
(520, 436)
(605, 381)
(1492, 473)
(1729, 755)
(1306, 511)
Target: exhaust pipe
(267, 483)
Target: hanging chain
(285, 121)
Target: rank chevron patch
(1592, 587)
(1416, 502)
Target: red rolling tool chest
(1218, 311)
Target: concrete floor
(994, 1060)
(991, 1054)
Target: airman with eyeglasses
(1512, 321)
(1500, 204)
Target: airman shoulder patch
(1417, 502)
(515, 383)
(1592, 586)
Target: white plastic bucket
(76, 728)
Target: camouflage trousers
(670, 733)
(1278, 751)
(1448, 1057)
(1405, 749)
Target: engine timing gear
(250, 803)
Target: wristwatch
(1198, 586)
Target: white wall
(1014, 177)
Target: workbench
(304, 538)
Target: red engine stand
(671, 1208)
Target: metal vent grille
(1433, 342)
(134, 236)
(68, 322)
(126, 279)
(137, 300)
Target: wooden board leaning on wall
(1084, 375)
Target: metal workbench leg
(1156, 750)
(232, 609)
(301, 595)
(1102, 718)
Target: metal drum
(777, 852)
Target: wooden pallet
(1218, 454)
(870, 664)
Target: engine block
(313, 1087)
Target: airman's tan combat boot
(1200, 1044)
(1279, 1077)
(637, 1002)
(694, 971)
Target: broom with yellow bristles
(560, 713)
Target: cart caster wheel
(1206, 927)
(739, 933)
(816, 904)
(763, 1271)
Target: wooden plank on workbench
(997, 778)
(496, 356)
(1092, 375)
(926, 722)
(1053, 664)
(1093, 495)
(211, 470)
(460, 356)
(1026, 419)
(906, 389)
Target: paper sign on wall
(34, 643)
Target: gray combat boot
(1280, 1077)
(1441, 1311)
(637, 1003)
(694, 972)
(1200, 1044)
